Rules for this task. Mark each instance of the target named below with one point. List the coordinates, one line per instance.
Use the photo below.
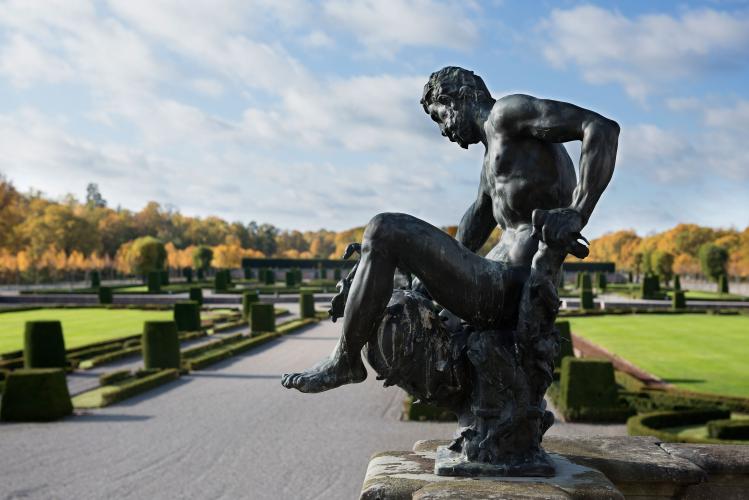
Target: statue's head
(450, 96)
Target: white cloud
(318, 40)
(642, 53)
(208, 86)
(384, 27)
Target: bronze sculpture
(473, 334)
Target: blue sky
(307, 115)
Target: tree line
(46, 239)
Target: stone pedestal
(621, 467)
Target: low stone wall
(601, 467)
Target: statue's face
(453, 120)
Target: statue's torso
(521, 174)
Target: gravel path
(229, 432)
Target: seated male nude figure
(525, 167)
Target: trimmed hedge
(654, 424)
(270, 277)
(95, 279)
(586, 299)
(164, 278)
(677, 282)
(196, 294)
(588, 391)
(115, 376)
(678, 301)
(138, 383)
(221, 281)
(160, 345)
(105, 295)
(291, 278)
(601, 281)
(248, 298)
(35, 395)
(187, 316)
(565, 342)
(307, 305)
(723, 283)
(585, 283)
(187, 274)
(247, 273)
(44, 346)
(728, 429)
(262, 318)
(154, 282)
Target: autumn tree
(147, 254)
(202, 257)
(713, 261)
(662, 264)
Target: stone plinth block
(410, 474)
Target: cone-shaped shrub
(723, 284)
(298, 276)
(105, 295)
(196, 294)
(35, 395)
(44, 346)
(337, 274)
(154, 282)
(565, 342)
(228, 276)
(270, 277)
(247, 273)
(678, 301)
(160, 345)
(586, 299)
(677, 282)
(307, 305)
(201, 274)
(164, 278)
(187, 316)
(219, 281)
(187, 274)
(248, 298)
(263, 318)
(322, 272)
(95, 279)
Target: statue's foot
(329, 374)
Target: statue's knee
(380, 228)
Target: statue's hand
(560, 228)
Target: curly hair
(456, 83)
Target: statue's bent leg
(472, 287)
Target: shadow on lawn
(684, 381)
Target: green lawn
(696, 352)
(80, 326)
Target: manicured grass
(705, 295)
(80, 326)
(697, 352)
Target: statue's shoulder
(511, 109)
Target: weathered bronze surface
(476, 334)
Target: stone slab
(637, 465)
(401, 475)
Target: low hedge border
(653, 424)
(728, 429)
(115, 392)
(109, 357)
(201, 356)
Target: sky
(306, 115)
